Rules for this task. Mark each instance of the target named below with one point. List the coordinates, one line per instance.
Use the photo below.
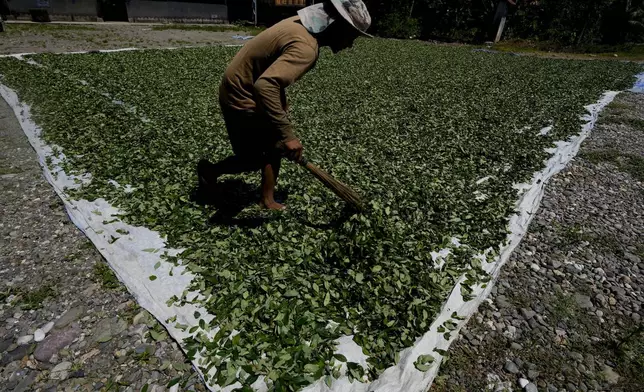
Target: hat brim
(345, 15)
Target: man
(4, 12)
(500, 14)
(252, 94)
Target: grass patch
(628, 163)
(633, 122)
(628, 51)
(251, 30)
(5, 168)
(630, 358)
(564, 309)
(576, 234)
(104, 275)
(32, 300)
(8, 170)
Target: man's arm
(296, 60)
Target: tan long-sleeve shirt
(257, 77)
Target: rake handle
(340, 189)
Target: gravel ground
(566, 313)
(29, 38)
(66, 323)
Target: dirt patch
(28, 38)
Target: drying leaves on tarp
(433, 137)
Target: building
(195, 11)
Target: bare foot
(272, 205)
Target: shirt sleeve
(296, 60)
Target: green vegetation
(634, 52)
(104, 275)
(629, 163)
(413, 127)
(629, 350)
(33, 299)
(562, 23)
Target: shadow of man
(230, 197)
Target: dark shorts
(251, 134)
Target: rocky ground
(66, 322)
(566, 314)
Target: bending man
(252, 93)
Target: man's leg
(209, 173)
(270, 172)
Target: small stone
(583, 301)
(39, 335)
(533, 374)
(599, 313)
(77, 374)
(60, 371)
(89, 354)
(519, 362)
(610, 375)
(535, 267)
(105, 330)
(47, 327)
(103, 336)
(632, 258)
(523, 382)
(612, 301)
(140, 318)
(15, 355)
(531, 388)
(24, 339)
(55, 342)
(516, 346)
(145, 348)
(510, 332)
(5, 344)
(69, 317)
(25, 384)
(556, 264)
(511, 367)
(576, 356)
(527, 313)
(502, 302)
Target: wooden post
(255, 6)
(500, 32)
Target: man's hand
(294, 150)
